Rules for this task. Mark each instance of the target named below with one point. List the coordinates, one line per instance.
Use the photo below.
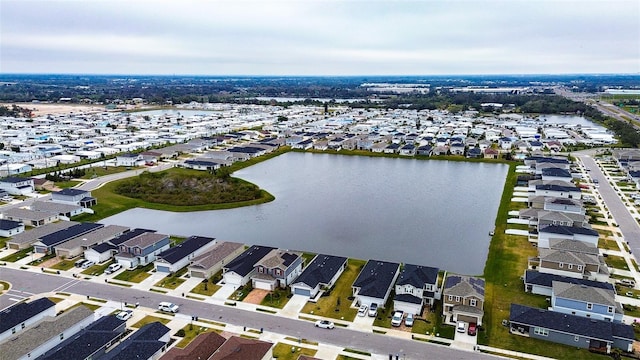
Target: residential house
(277, 269)
(19, 316)
(27, 238)
(78, 245)
(463, 299)
(142, 249)
(474, 153)
(179, 256)
(106, 250)
(416, 286)
(129, 160)
(570, 263)
(239, 348)
(91, 342)
(147, 343)
(202, 347)
(570, 330)
(17, 185)
(47, 333)
(490, 153)
(541, 283)
(240, 270)
(10, 228)
(46, 244)
(75, 197)
(563, 205)
(566, 232)
(30, 217)
(408, 150)
(202, 164)
(585, 301)
(568, 191)
(375, 282)
(211, 261)
(321, 273)
(64, 211)
(554, 173)
(424, 150)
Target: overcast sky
(320, 37)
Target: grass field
(136, 275)
(288, 352)
(277, 298)
(149, 319)
(330, 306)
(64, 265)
(190, 333)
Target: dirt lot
(256, 296)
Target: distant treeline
(15, 111)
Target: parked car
(168, 307)
(373, 310)
(461, 327)
(325, 324)
(113, 268)
(408, 321)
(628, 282)
(396, 319)
(473, 328)
(125, 314)
(87, 264)
(362, 311)
(80, 262)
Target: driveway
(256, 296)
(294, 306)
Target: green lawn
(97, 269)
(4, 286)
(617, 262)
(67, 184)
(209, 287)
(277, 298)
(431, 322)
(20, 254)
(505, 265)
(149, 319)
(136, 275)
(328, 306)
(191, 332)
(608, 244)
(64, 265)
(284, 351)
(3, 242)
(102, 171)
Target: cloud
(319, 37)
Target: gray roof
(584, 293)
(27, 214)
(217, 253)
(561, 216)
(54, 207)
(41, 332)
(280, 259)
(464, 286)
(30, 236)
(100, 235)
(574, 246)
(144, 240)
(567, 257)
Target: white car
(168, 307)
(125, 314)
(87, 264)
(113, 268)
(461, 327)
(325, 324)
(362, 311)
(396, 320)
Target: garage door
(164, 269)
(299, 291)
(198, 274)
(264, 285)
(469, 319)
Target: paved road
(628, 225)
(375, 343)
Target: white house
(179, 256)
(17, 185)
(9, 228)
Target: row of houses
(569, 269)
(33, 330)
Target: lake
(433, 213)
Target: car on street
(473, 328)
(396, 319)
(373, 310)
(125, 314)
(87, 264)
(408, 321)
(112, 268)
(168, 307)
(461, 327)
(325, 324)
(362, 311)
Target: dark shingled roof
(571, 324)
(543, 279)
(321, 270)
(13, 179)
(21, 312)
(375, 278)
(142, 344)
(128, 235)
(243, 263)
(184, 249)
(9, 224)
(557, 172)
(69, 233)
(71, 192)
(552, 187)
(104, 247)
(408, 298)
(417, 275)
(90, 340)
(544, 159)
(568, 230)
